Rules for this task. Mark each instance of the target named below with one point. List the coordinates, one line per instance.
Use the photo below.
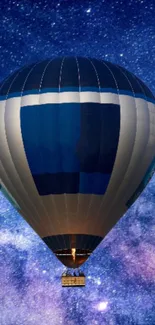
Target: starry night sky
(121, 272)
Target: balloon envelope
(77, 147)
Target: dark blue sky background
(121, 273)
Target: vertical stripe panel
(28, 191)
(8, 168)
(136, 167)
(139, 148)
(125, 146)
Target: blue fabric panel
(148, 93)
(32, 126)
(138, 86)
(109, 137)
(71, 148)
(104, 75)
(88, 146)
(93, 183)
(52, 74)
(57, 183)
(8, 82)
(35, 76)
(50, 133)
(133, 80)
(97, 146)
(69, 77)
(122, 81)
(88, 76)
(69, 129)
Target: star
(102, 306)
(88, 10)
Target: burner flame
(73, 253)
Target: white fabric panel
(132, 178)
(107, 224)
(91, 222)
(8, 171)
(62, 212)
(27, 191)
(149, 153)
(28, 100)
(72, 206)
(77, 222)
(81, 213)
(152, 118)
(53, 210)
(109, 98)
(89, 97)
(67, 97)
(85, 214)
(70, 97)
(4, 154)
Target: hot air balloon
(77, 147)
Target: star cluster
(121, 272)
